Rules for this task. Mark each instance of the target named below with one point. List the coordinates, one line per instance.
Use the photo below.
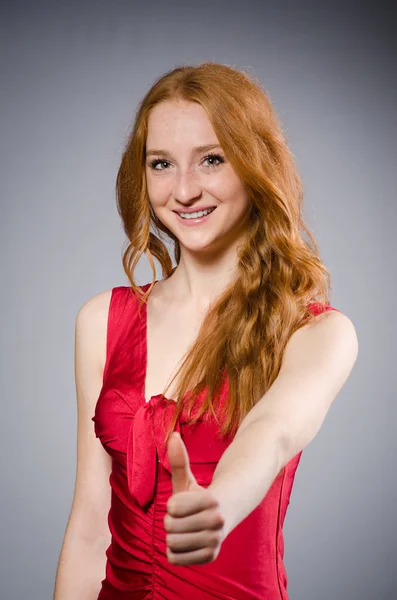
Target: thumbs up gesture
(194, 523)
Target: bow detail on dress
(146, 443)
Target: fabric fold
(146, 446)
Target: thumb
(182, 476)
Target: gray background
(71, 80)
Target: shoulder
(103, 311)
(329, 337)
(329, 318)
(95, 309)
(91, 326)
(331, 323)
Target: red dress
(250, 563)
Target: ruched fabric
(250, 563)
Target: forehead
(174, 122)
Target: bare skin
(181, 177)
(172, 328)
(82, 559)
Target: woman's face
(181, 176)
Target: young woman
(236, 349)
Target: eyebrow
(197, 150)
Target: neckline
(145, 352)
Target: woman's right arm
(82, 560)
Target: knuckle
(215, 541)
(219, 520)
(171, 505)
(209, 554)
(170, 556)
(167, 522)
(174, 542)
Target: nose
(187, 187)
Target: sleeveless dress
(250, 563)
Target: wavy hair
(279, 271)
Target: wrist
(224, 508)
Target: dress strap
(118, 302)
(318, 307)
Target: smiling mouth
(188, 216)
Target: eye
(217, 157)
(153, 163)
(213, 157)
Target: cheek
(229, 187)
(157, 191)
(239, 200)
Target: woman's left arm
(317, 361)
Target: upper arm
(91, 500)
(316, 363)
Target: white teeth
(196, 215)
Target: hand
(194, 523)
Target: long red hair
(279, 270)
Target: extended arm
(316, 363)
